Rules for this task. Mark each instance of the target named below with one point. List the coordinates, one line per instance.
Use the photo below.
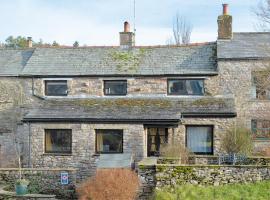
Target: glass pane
(199, 139)
(186, 87)
(58, 141)
(109, 141)
(177, 87)
(261, 128)
(115, 87)
(56, 88)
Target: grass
(250, 191)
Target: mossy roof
(132, 108)
(114, 61)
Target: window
(56, 88)
(260, 129)
(115, 87)
(185, 87)
(58, 141)
(260, 85)
(199, 139)
(109, 141)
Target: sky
(98, 22)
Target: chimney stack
(225, 24)
(29, 42)
(127, 38)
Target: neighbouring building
(66, 106)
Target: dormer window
(56, 88)
(186, 87)
(115, 87)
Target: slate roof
(245, 46)
(131, 109)
(13, 61)
(111, 61)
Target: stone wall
(15, 99)
(154, 175)
(93, 87)
(43, 181)
(83, 156)
(235, 79)
(221, 125)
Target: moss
(142, 167)
(128, 61)
(161, 168)
(123, 103)
(208, 102)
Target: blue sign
(64, 178)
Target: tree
(55, 44)
(182, 29)
(263, 14)
(76, 44)
(18, 42)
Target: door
(155, 138)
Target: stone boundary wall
(43, 181)
(154, 175)
(214, 160)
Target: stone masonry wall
(93, 87)
(15, 97)
(43, 181)
(160, 175)
(235, 79)
(83, 155)
(220, 126)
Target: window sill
(100, 153)
(261, 139)
(260, 100)
(57, 154)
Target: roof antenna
(134, 13)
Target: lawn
(251, 191)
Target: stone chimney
(225, 24)
(127, 38)
(29, 42)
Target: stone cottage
(68, 106)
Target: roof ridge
(252, 32)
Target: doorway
(155, 138)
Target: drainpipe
(29, 145)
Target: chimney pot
(225, 9)
(126, 27)
(29, 42)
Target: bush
(237, 141)
(110, 184)
(175, 151)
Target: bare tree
(263, 14)
(182, 29)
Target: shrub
(237, 141)
(175, 151)
(110, 184)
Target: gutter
(210, 115)
(68, 120)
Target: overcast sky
(98, 22)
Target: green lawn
(251, 191)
